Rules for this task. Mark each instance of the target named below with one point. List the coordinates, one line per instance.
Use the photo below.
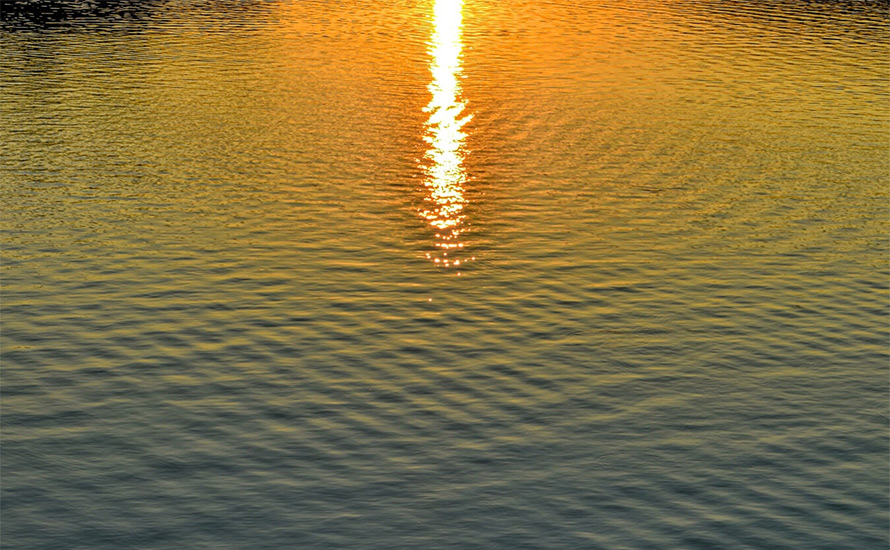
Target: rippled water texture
(441, 274)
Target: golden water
(444, 274)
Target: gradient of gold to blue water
(231, 310)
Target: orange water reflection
(443, 163)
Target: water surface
(432, 274)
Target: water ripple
(220, 329)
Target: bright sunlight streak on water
(444, 173)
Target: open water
(429, 274)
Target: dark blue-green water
(417, 274)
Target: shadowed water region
(444, 274)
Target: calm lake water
(430, 274)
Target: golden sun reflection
(444, 172)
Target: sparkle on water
(443, 167)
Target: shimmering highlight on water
(444, 170)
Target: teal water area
(418, 274)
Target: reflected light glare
(444, 173)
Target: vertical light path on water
(443, 169)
